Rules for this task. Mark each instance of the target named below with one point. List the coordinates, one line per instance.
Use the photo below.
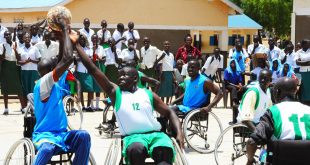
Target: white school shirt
(211, 68)
(2, 30)
(149, 56)
(260, 49)
(36, 39)
(128, 36)
(304, 56)
(273, 54)
(48, 52)
(290, 59)
(167, 62)
(116, 36)
(231, 52)
(110, 56)
(33, 53)
(9, 52)
(99, 52)
(88, 35)
(127, 55)
(80, 67)
(106, 35)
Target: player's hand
(180, 139)
(74, 36)
(206, 109)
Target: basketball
(55, 13)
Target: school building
(300, 20)
(213, 23)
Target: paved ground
(11, 128)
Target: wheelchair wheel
(74, 113)
(92, 159)
(180, 158)
(22, 152)
(198, 135)
(113, 152)
(231, 145)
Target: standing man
(186, 49)
(130, 53)
(118, 36)
(290, 57)
(142, 137)
(255, 48)
(149, 55)
(166, 75)
(213, 64)
(87, 32)
(10, 72)
(303, 60)
(104, 34)
(2, 30)
(131, 33)
(273, 52)
(48, 48)
(232, 50)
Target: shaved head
(285, 88)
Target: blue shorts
(184, 108)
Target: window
(214, 40)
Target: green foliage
(273, 15)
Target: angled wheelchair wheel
(92, 160)
(22, 152)
(74, 112)
(113, 152)
(231, 145)
(201, 130)
(180, 158)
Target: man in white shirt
(213, 64)
(2, 30)
(130, 53)
(35, 36)
(104, 34)
(273, 52)
(290, 57)
(149, 55)
(87, 32)
(48, 48)
(117, 36)
(131, 34)
(255, 48)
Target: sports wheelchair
(230, 146)
(117, 146)
(23, 151)
(288, 152)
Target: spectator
(186, 49)
(112, 60)
(287, 71)
(87, 32)
(19, 27)
(275, 68)
(273, 52)
(104, 34)
(255, 48)
(232, 50)
(131, 33)
(166, 75)
(233, 80)
(303, 60)
(298, 46)
(117, 36)
(36, 37)
(48, 48)
(2, 30)
(130, 53)
(184, 72)
(10, 72)
(290, 57)
(179, 78)
(213, 64)
(239, 56)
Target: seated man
(134, 108)
(255, 101)
(283, 121)
(50, 134)
(198, 89)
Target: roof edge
(232, 5)
(32, 9)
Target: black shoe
(5, 113)
(89, 109)
(99, 109)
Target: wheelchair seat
(288, 152)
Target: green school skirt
(305, 86)
(10, 78)
(112, 73)
(28, 79)
(166, 84)
(86, 82)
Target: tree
(273, 15)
